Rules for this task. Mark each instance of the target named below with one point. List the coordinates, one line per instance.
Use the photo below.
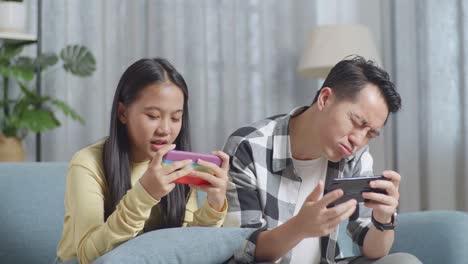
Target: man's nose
(358, 138)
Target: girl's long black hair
(116, 154)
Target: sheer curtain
(238, 58)
(430, 62)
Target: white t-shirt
(310, 171)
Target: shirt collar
(282, 156)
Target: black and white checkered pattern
(264, 187)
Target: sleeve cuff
(143, 196)
(213, 213)
(207, 216)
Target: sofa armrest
(32, 211)
(433, 236)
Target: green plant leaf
(8, 51)
(78, 60)
(39, 120)
(46, 60)
(4, 67)
(68, 111)
(31, 111)
(10, 131)
(10, 126)
(21, 105)
(26, 91)
(23, 69)
(4, 71)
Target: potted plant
(29, 111)
(12, 16)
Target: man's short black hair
(349, 76)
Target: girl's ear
(325, 98)
(122, 113)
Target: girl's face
(153, 120)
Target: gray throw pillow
(180, 245)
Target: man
(281, 165)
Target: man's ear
(325, 98)
(122, 113)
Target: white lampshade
(329, 44)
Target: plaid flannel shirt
(264, 186)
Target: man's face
(346, 126)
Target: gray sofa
(31, 215)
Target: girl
(117, 188)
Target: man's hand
(384, 205)
(316, 220)
(313, 220)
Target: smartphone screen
(353, 188)
(176, 155)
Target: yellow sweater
(85, 234)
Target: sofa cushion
(32, 210)
(179, 245)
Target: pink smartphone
(175, 155)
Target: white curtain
(238, 58)
(430, 61)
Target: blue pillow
(180, 245)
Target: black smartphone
(353, 188)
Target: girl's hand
(158, 179)
(216, 192)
